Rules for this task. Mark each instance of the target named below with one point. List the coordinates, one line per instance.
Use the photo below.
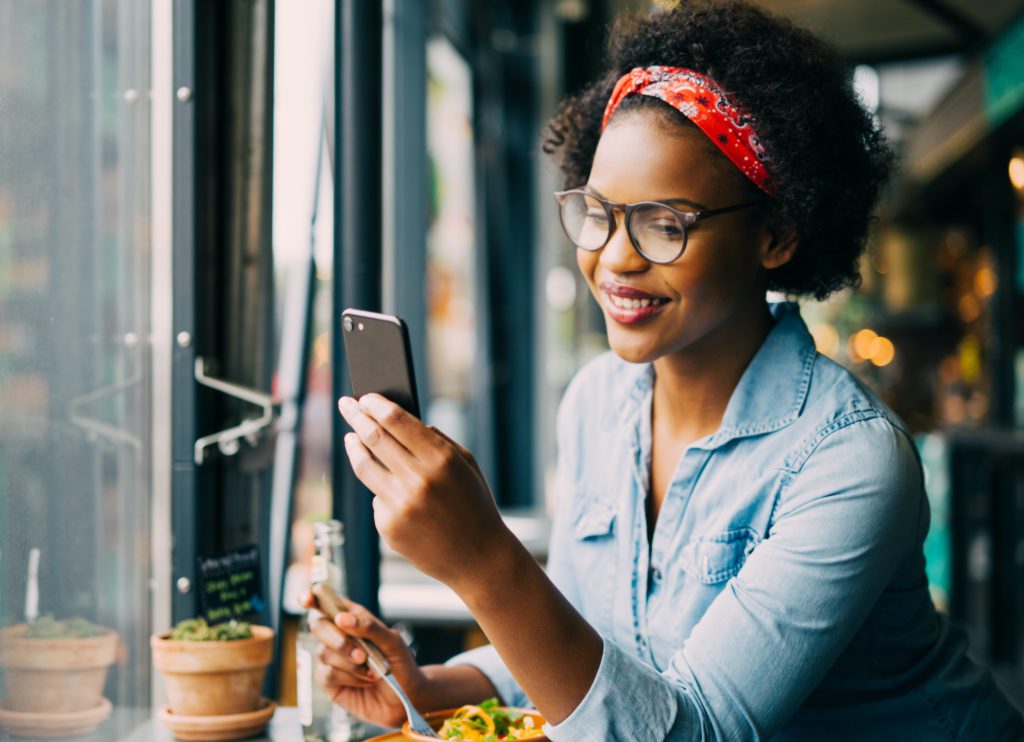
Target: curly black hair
(828, 157)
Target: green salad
(488, 721)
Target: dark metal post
(186, 522)
(357, 256)
(406, 175)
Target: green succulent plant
(197, 630)
(48, 627)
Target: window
(75, 324)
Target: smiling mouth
(631, 310)
(624, 302)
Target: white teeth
(624, 303)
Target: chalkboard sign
(230, 585)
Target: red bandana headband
(699, 99)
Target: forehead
(640, 157)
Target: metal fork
(331, 604)
(381, 667)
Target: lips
(629, 305)
(628, 292)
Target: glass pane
(303, 221)
(451, 243)
(74, 338)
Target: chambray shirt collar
(769, 395)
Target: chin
(632, 349)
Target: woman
(737, 549)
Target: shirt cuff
(628, 699)
(486, 660)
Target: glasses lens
(585, 221)
(659, 233)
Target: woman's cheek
(586, 262)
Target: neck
(692, 386)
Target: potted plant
(56, 667)
(213, 670)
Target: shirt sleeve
(843, 524)
(486, 660)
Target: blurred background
(191, 192)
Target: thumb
(355, 620)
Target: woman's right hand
(342, 671)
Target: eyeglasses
(657, 231)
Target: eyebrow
(688, 202)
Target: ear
(779, 244)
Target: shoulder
(854, 452)
(844, 412)
(832, 382)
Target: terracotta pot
(55, 675)
(214, 678)
(436, 720)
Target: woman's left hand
(432, 504)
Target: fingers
(327, 633)
(375, 435)
(330, 676)
(410, 432)
(368, 470)
(348, 666)
(357, 621)
(340, 654)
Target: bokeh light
(985, 282)
(882, 351)
(1017, 172)
(863, 343)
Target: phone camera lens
(348, 324)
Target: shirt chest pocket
(594, 559)
(715, 558)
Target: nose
(618, 254)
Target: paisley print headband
(701, 100)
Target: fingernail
(347, 619)
(347, 404)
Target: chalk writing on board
(230, 585)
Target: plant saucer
(220, 727)
(58, 724)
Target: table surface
(139, 725)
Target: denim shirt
(783, 593)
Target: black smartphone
(379, 357)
